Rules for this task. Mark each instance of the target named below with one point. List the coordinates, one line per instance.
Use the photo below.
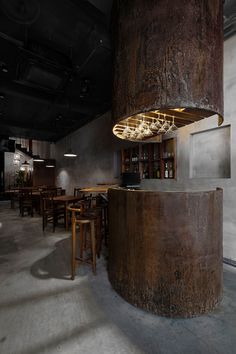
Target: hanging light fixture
(25, 164)
(50, 163)
(168, 66)
(37, 158)
(68, 151)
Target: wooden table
(97, 189)
(66, 200)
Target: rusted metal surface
(165, 250)
(167, 54)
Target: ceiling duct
(7, 145)
(24, 12)
(229, 18)
(168, 65)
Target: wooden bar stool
(84, 243)
(96, 213)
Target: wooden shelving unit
(151, 160)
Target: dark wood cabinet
(151, 160)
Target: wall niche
(210, 153)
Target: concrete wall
(96, 148)
(11, 168)
(96, 162)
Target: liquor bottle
(154, 172)
(166, 173)
(158, 172)
(171, 171)
(127, 159)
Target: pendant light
(68, 151)
(25, 164)
(50, 163)
(168, 65)
(37, 158)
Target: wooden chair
(78, 193)
(51, 213)
(87, 240)
(60, 191)
(92, 209)
(26, 202)
(14, 197)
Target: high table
(97, 189)
(66, 200)
(165, 250)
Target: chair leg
(65, 219)
(73, 249)
(98, 236)
(54, 221)
(93, 245)
(44, 222)
(82, 239)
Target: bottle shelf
(153, 159)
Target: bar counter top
(165, 249)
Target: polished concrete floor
(43, 311)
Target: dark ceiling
(55, 64)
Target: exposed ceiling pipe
(27, 133)
(230, 27)
(229, 18)
(11, 39)
(12, 88)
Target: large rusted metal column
(165, 250)
(167, 55)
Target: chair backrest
(47, 199)
(77, 191)
(88, 201)
(101, 200)
(60, 191)
(25, 194)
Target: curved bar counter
(165, 250)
